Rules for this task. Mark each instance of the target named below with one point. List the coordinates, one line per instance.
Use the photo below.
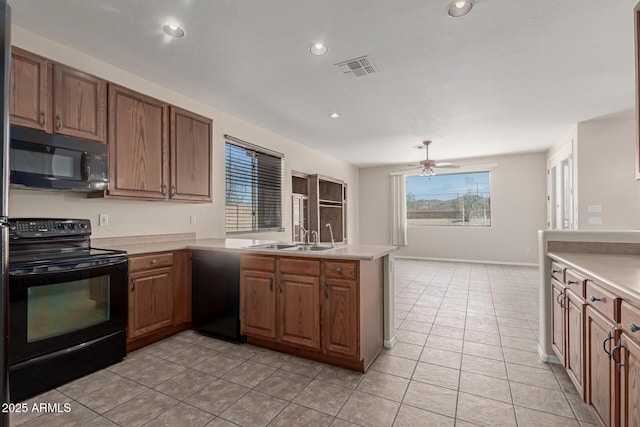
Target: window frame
(464, 171)
(256, 151)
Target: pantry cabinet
(54, 98)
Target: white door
(560, 191)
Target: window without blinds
(253, 188)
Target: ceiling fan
(429, 166)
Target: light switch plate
(103, 220)
(595, 220)
(594, 208)
(193, 219)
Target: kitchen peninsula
(333, 305)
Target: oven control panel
(40, 228)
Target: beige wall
(518, 193)
(606, 151)
(140, 218)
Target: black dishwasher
(216, 294)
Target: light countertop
(619, 273)
(352, 251)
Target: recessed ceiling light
(173, 30)
(334, 115)
(318, 49)
(460, 8)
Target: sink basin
(274, 246)
(313, 248)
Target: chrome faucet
(305, 235)
(314, 233)
(333, 243)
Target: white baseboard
(390, 343)
(547, 357)
(472, 261)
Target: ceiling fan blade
(445, 165)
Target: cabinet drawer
(299, 266)
(575, 281)
(257, 262)
(344, 270)
(557, 271)
(146, 262)
(630, 320)
(603, 301)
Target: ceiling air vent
(358, 67)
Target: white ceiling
(499, 80)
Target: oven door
(61, 305)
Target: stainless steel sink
(274, 246)
(313, 248)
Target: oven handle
(71, 267)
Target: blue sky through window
(449, 186)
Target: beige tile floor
(466, 355)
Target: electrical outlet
(103, 220)
(192, 219)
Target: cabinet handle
(326, 290)
(634, 327)
(594, 299)
(561, 298)
(280, 285)
(271, 285)
(58, 122)
(133, 285)
(553, 271)
(338, 269)
(613, 355)
(43, 119)
(163, 188)
(154, 261)
(173, 190)
(604, 344)
(572, 282)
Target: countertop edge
(583, 263)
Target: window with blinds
(253, 187)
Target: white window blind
(254, 178)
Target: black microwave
(57, 162)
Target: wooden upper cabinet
(80, 104)
(191, 156)
(30, 98)
(138, 128)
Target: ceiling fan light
(460, 8)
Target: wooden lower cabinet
(601, 380)
(159, 297)
(574, 348)
(340, 317)
(299, 310)
(258, 303)
(313, 308)
(629, 357)
(150, 301)
(558, 319)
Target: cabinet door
(557, 319)
(138, 128)
(299, 308)
(601, 377)
(150, 301)
(191, 152)
(258, 303)
(575, 339)
(340, 317)
(80, 104)
(629, 382)
(30, 96)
